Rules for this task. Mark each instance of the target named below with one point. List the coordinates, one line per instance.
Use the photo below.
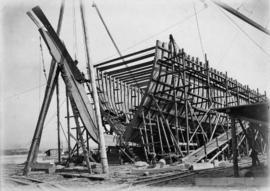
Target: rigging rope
(158, 33)
(24, 92)
(198, 28)
(248, 36)
(233, 39)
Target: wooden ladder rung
(77, 127)
(150, 124)
(69, 116)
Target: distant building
(53, 153)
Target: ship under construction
(152, 104)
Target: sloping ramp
(211, 146)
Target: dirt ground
(120, 178)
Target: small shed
(53, 152)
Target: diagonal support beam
(51, 82)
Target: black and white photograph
(116, 95)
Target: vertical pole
(174, 53)
(205, 151)
(237, 94)
(58, 121)
(68, 125)
(77, 137)
(268, 150)
(143, 142)
(258, 95)
(87, 141)
(92, 76)
(160, 137)
(151, 133)
(234, 148)
(175, 106)
(227, 89)
(166, 138)
(145, 132)
(185, 97)
(209, 96)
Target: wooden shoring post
(258, 95)
(87, 141)
(68, 125)
(234, 147)
(53, 74)
(174, 56)
(151, 132)
(176, 111)
(92, 76)
(192, 125)
(80, 136)
(145, 133)
(227, 89)
(249, 141)
(176, 145)
(58, 121)
(208, 81)
(215, 127)
(166, 138)
(77, 137)
(227, 121)
(160, 136)
(143, 142)
(205, 150)
(268, 146)
(185, 97)
(217, 142)
(247, 146)
(209, 92)
(237, 94)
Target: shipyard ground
(122, 178)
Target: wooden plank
(134, 68)
(102, 68)
(123, 57)
(83, 175)
(134, 74)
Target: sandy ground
(120, 178)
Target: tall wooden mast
(92, 76)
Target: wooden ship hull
(163, 99)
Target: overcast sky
(134, 25)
